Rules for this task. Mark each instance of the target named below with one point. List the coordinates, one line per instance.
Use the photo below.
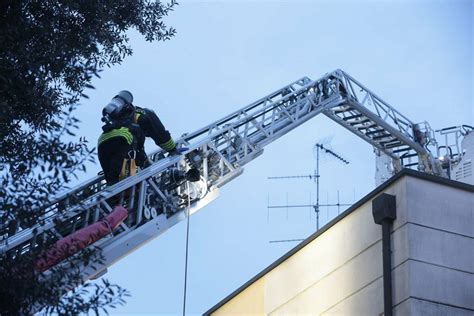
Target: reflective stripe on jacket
(168, 146)
(119, 132)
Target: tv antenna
(321, 150)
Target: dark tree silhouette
(50, 51)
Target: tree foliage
(51, 50)
(26, 290)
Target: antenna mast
(319, 148)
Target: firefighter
(121, 145)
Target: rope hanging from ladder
(187, 250)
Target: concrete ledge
(441, 248)
(439, 206)
(443, 285)
(414, 306)
(433, 283)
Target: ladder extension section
(156, 196)
(375, 121)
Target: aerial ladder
(157, 197)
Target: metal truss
(369, 117)
(156, 199)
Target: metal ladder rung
(396, 151)
(360, 122)
(347, 118)
(391, 143)
(408, 156)
(411, 164)
(342, 111)
(374, 132)
(384, 136)
(367, 127)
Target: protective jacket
(122, 138)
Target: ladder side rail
(118, 246)
(241, 136)
(90, 202)
(398, 126)
(357, 132)
(122, 243)
(55, 205)
(395, 132)
(380, 108)
(240, 133)
(64, 200)
(303, 111)
(267, 128)
(388, 118)
(402, 132)
(225, 120)
(257, 108)
(80, 187)
(311, 99)
(99, 198)
(236, 115)
(280, 127)
(264, 103)
(397, 119)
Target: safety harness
(124, 129)
(129, 166)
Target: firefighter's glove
(177, 151)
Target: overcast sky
(416, 55)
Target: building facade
(339, 269)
